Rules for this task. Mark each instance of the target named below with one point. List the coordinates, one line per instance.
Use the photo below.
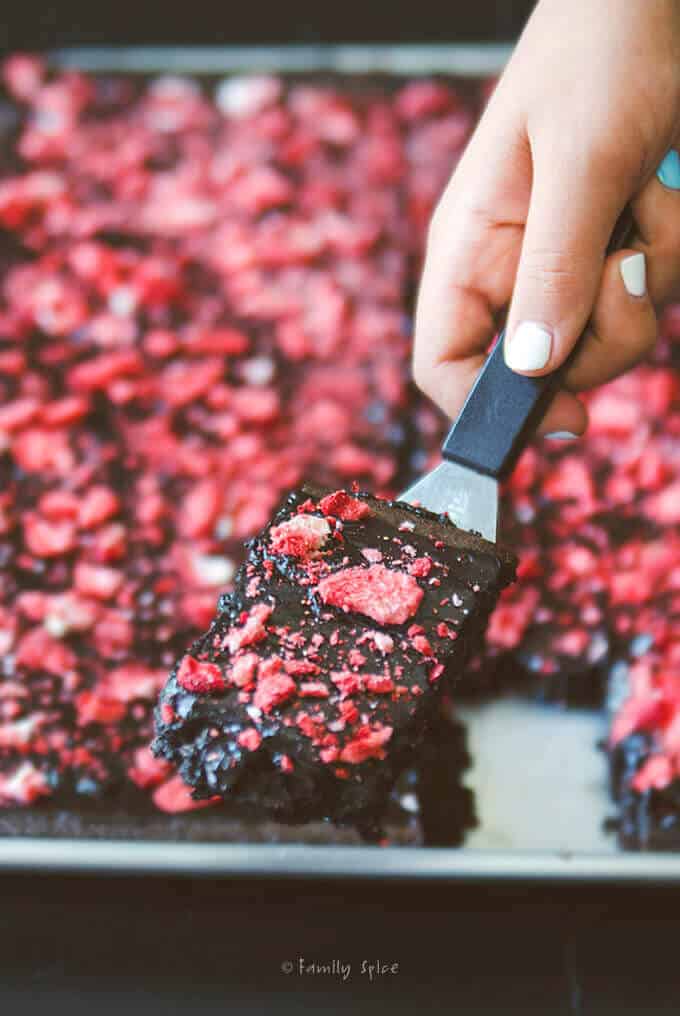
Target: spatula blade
(469, 498)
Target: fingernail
(669, 170)
(529, 348)
(634, 274)
(562, 435)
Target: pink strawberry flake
(388, 597)
(313, 689)
(252, 630)
(174, 797)
(274, 686)
(655, 774)
(23, 785)
(147, 771)
(243, 669)
(250, 739)
(368, 742)
(347, 682)
(378, 683)
(301, 536)
(342, 506)
(200, 677)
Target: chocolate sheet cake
(314, 686)
(205, 290)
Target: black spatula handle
(499, 416)
(504, 408)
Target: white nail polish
(634, 274)
(529, 348)
(562, 435)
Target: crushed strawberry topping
(343, 506)
(197, 676)
(388, 597)
(301, 536)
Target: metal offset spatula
(498, 418)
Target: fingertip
(528, 349)
(632, 267)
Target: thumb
(572, 213)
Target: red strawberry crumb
(147, 771)
(243, 669)
(656, 773)
(342, 506)
(98, 505)
(174, 797)
(48, 538)
(23, 785)
(388, 597)
(168, 714)
(367, 743)
(200, 677)
(300, 667)
(252, 628)
(250, 739)
(347, 682)
(97, 580)
(300, 536)
(420, 567)
(97, 707)
(378, 683)
(272, 689)
(421, 643)
(313, 689)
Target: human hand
(581, 120)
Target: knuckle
(556, 272)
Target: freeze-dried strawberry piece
(65, 411)
(368, 742)
(39, 451)
(656, 773)
(200, 509)
(379, 683)
(217, 342)
(300, 536)
(134, 681)
(97, 580)
(98, 505)
(99, 372)
(23, 785)
(16, 414)
(250, 739)
(146, 770)
(346, 681)
(183, 382)
(46, 538)
(664, 507)
(199, 676)
(243, 669)
(313, 689)
(252, 629)
(97, 707)
(273, 687)
(343, 506)
(174, 797)
(388, 597)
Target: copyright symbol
(287, 967)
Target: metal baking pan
(538, 777)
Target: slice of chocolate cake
(319, 679)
